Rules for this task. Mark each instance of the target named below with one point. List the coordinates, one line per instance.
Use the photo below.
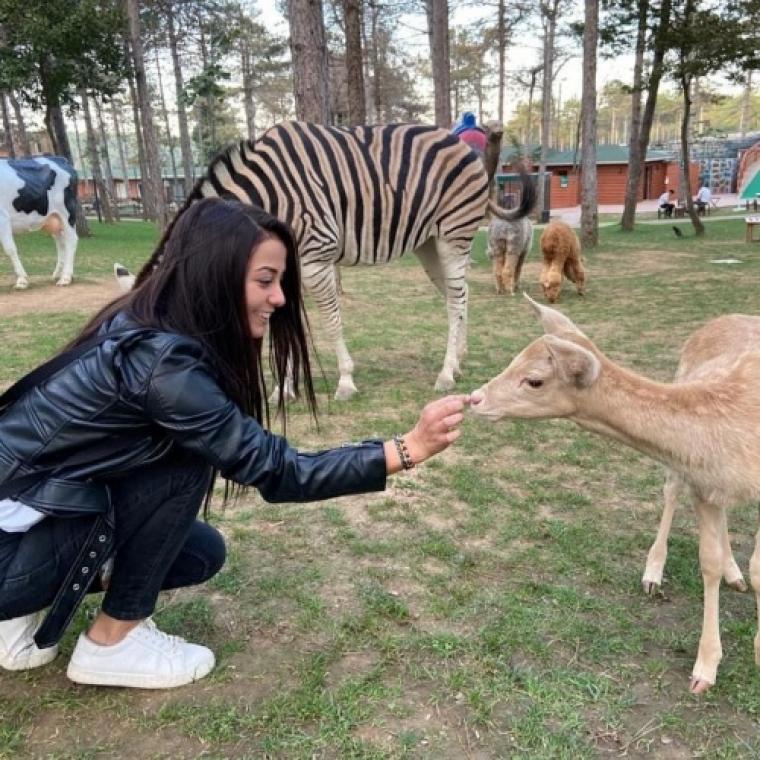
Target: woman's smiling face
(263, 284)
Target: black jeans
(160, 544)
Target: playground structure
(748, 176)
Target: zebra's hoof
(65, 280)
(345, 391)
(287, 395)
(21, 284)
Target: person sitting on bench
(702, 200)
(666, 202)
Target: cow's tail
(527, 201)
(155, 258)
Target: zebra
(364, 195)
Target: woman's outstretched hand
(436, 429)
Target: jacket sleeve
(184, 399)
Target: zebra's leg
(446, 266)
(288, 393)
(319, 280)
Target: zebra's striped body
(366, 195)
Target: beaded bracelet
(403, 452)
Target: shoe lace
(156, 633)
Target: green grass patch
(488, 604)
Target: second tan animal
(561, 251)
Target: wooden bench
(752, 222)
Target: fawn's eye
(534, 382)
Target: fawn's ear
(575, 364)
(553, 321)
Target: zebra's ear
(554, 322)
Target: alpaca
(510, 237)
(705, 428)
(562, 255)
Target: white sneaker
(145, 658)
(17, 648)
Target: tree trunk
(101, 191)
(106, 156)
(635, 159)
(368, 72)
(549, 11)
(638, 152)
(10, 143)
(56, 129)
(80, 152)
(357, 113)
(746, 105)
(165, 114)
(589, 211)
(685, 189)
(148, 207)
(309, 53)
(377, 77)
(185, 146)
(211, 147)
(120, 144)
(502, 44)
(23, 138)
(439, 53)
(154, 179)
(528, 138)
(246, 69)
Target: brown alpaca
(562, 255)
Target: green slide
(752, 190)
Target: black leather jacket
(127, 402)
(150, 390)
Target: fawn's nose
(477, 397)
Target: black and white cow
(39, 193)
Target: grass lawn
(488, 603)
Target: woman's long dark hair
(194, 285)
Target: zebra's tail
(527, 201)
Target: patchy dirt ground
(41, 297)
